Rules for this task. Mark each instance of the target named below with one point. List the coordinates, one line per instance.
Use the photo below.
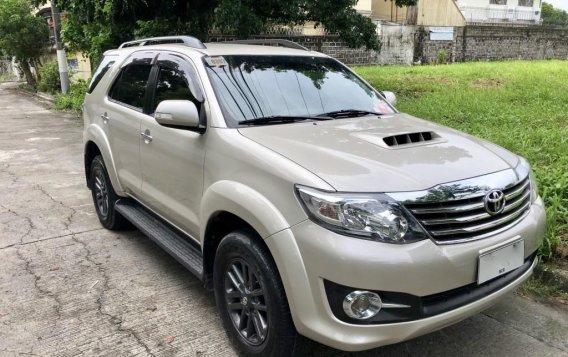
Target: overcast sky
(561, 4)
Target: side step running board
(169, 238)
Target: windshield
(254, 87)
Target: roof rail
(269, 42)
(186, 40)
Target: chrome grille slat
(481, 227)
(449, 209)
(517, 203)
(465, 219)
(517, 192)
(476, 217)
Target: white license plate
(501, 260)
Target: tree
(92, 26)
(553, 17)
(22, 35)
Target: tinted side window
(171, 84)
(130, 88)
(103, 68)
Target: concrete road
(70, 288)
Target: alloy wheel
(101, 193)
(245, 301)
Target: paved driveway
(70, 288)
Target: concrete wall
(397, 44)
(426, 13)
(364, 7)
(331, 45)
(386, 10)
(490, 43)
(404, 44)
(439, 13)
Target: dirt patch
(487, 83)
(563, 251)
(443, 80)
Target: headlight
(534, 187)
(374, 216)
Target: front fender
(95, 134)
(244, 202)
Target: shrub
(442, 56)
(49, 74)
(74, 99)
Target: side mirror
(177, 113)
(390, 97)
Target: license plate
(498, 261)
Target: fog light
(362, 305)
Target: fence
(6, 69)
(501, 14)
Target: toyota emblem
(494, 202)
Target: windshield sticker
(218, 61)
(382, 107)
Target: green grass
(520, 105)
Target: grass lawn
(520, 105)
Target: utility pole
(61, 57)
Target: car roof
(220, 49)
(223, 49)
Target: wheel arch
(96, 143)
(229, 206)
(91, 151)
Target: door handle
(105, 118)
(146, 136)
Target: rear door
(172, 158)
(123, 110)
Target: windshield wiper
(349, 113)
(282, 119)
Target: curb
(45, 96)
(14, 85)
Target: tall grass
(520, 105)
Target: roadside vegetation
(520, 105)
(73, 100)
(22, 36)
(552, 16)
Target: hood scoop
(410, 138)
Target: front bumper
(307, 255)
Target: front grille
(467, 219)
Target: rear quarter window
(102, 69)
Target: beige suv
(301, 196)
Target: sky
(561, 4)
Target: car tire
(251, 298)
(104, 197)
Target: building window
(498, 2)
(528, 3)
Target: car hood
(352, 155)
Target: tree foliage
(22, 35)
(92, 26)
(553, 16)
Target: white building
(501, 11)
